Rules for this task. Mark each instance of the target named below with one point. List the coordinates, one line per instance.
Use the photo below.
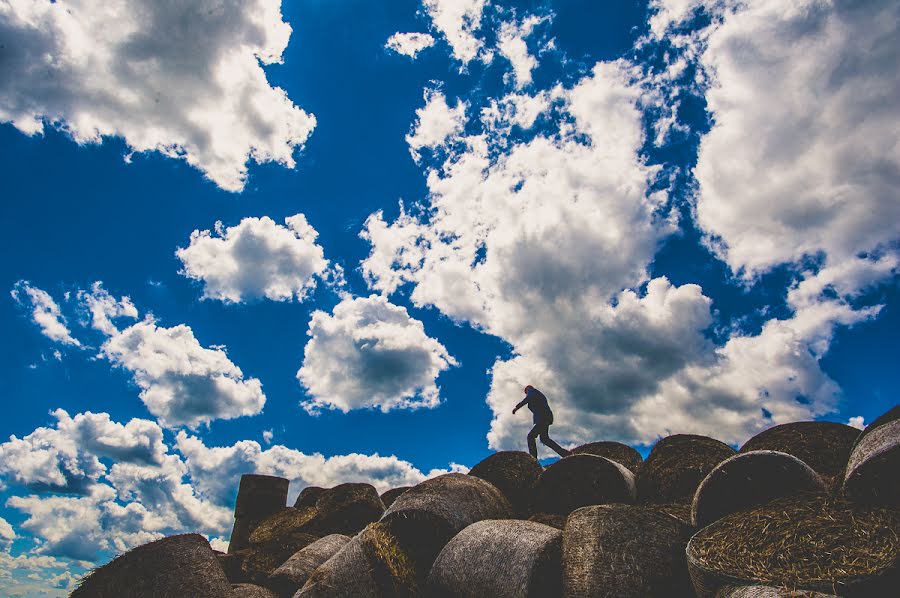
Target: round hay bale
(391, 495)
(263, 558)
(767, 592)
(614, 451)
(308, 497)
(551, 519)
(348, 508)
(625, 551)
(824, 446)
(259, 496)
(873, 471)
(887, 417)
(293, 573)
(172, 567)
(676, 465)
(499, 558)
(678, 510)
(231, 565)
(820, 544)
(371, 565)
(514, 473)
(425, 517)
(249, 590)
(287, 522)
(749, 480)
(582, 480)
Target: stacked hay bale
(824, 446)
(625, 551)
(308, 497)
(293, 573)
(274, 540)
(515, 474)
(259, 497)
(614, 451)
(551, 519)
(389, 496)
(502, 559)
(767, 592)
(249, 590)
(582, 480)
(176, 566)
(822, 544)
(749, 480)
(872, 470)
(348, 508)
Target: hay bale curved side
(625, 551)
(819, 544)
(749, 480)
(348, 508)
(885, 418)
(259, 497)
(183, 565)
(767, 592)
(263, 558)
(231, 565)
(676, 465)
(371, 565)
(551, 519)
(287, 522)
(873, 472)
(249, 590)
(308, 496)
(614, 451)
(514, 473)
(499, 558)
(581, 480)
(293, 573)
(425, 517)
(389, 496)
(824, 446)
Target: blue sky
(671, 217)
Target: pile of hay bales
(260, 560)
(308, 497)
(294, 572)
(614, 451)
(581, 480)
(676, 465)
(515, 474)
(348, 508)
(259, 497)
(389, 496)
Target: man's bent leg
(532, 445)
(547, 441)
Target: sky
(333, 240)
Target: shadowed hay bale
(615, 451)
(348, 508)
(293, 573)
(678, 510)
(308, 497)
(231, 565)
(248, 590)
(172, 567)
(625, 551)
(676, 466)
(259, 496)
(768, 592)
(391, 495)
(263, 558)
(822, 544)
(502, 559)
(551, 519)
(887, 417)
(824, 446)
(873, 472)
(426, 516)
(749, 480)
(514, 473)
(287, 522)
(582, 480)
(371, 565)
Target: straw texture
(263, 558)
(768, 592)
(293, 573)
(676, 466)
(308, 497)
(348, 508)
(259, 496)
(391, 495)
(873, 472)
(615, 451)
(249, 590)
(514, 473)
(581, 480)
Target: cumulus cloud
(7, 534)
(28, 575)
(104, 308)
(255, 259)
(458, 20)
(44, 312)
(370, 353)
(511, 43)
(857, 422)
(436, 122)
(183, 79)
(409, 44)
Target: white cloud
(369, 353)
(255, 259)
(857, 422)
(183, 79)
(436, 122)
(45, 312)
(7, 534)
(29, 576)
(268, 435)
(458, 20)
(511, 43)
(409, 44)
(103, 308)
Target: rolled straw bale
(551, 519)
(172, 567)
(768, 592)
(348, 508)
(582, 480)
(425, 517)
(749, 480)
(293, 573)
(249, 590)
(499, 558)
(821, 544)
(391, 495)
(287, 522)
(371, 565)
(625, 551)
(676, 465)
(259, 496)
(824, 446)
(514, 473)
(885, 418)
(263, 558)
(615, 451)
(873, 472)
(231, 565)
(308, 497)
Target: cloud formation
(255, 259)
(458, 20)
(369, 353)
(44, 312)
(409, 44)
(436, 123)
(182, 79)
(511, 44)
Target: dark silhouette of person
(543, 417)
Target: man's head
(528, 388)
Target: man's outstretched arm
(521, 404)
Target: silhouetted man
(543, 417)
